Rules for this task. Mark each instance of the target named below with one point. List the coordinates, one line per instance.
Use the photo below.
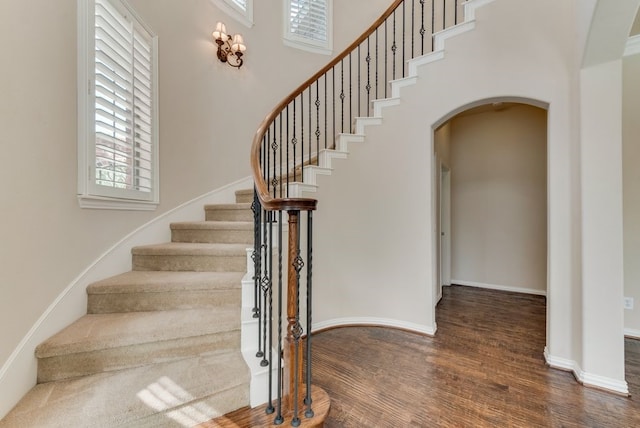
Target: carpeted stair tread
(213, 225)
(244, 196)
(166, 281)
(240, 206)
(228, 212)
(104, 331)
(190, 249)
(173, 394)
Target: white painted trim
(632, 333)
(18, 373)
(585, 378)
(601, 382)
(500, 287)
(633, 46)
(373, 321)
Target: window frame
(311, 45)
(245, 17)
(90, 194)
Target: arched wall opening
(490, 179)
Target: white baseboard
(585, 378)
(500, 287)
(18, 373)
(373, 321)
(632, 333)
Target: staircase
(160, 345)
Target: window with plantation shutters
(240, 10)
(117, 95)
(308, 25)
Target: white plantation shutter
(240, 10)
(309, 23)
(123, 83)
(242, 4)
(121, 152)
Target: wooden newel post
(293, 348)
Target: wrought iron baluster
(342, 96)
(413, 27)
(433, 22)
(294, 143)
(422, 29)
(279, 418)
(359, 101)
(308, 401)
(394, 47)
(368, 87)
(350, 94)
(318, 133)
(386, 62)
(404, 27)
(301, 137)
(444, 14)
(333, 98)
(287, 140)
(376, 63)
(455, 16)
(325, 113)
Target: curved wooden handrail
(267, 201)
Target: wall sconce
(230, 49)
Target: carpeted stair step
(198, 257)
(139, 291)
(180, 393)
(224, 232)
(106, 342)
(228, 212)
(244, 196)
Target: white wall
(499, 199)
(208, 114)
(384, 212)
(380, 201)
(631, 189)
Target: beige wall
(208, 114)
(631, 189)
(498, 198)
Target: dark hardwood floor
(484, 368)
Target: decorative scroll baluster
(422, 29)
(394, 47)
(368, 87)
(318, 133)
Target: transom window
(308, 25)
(240, 10)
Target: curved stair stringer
(344, 140)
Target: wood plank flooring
(484, 368)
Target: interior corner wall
(631, 189)
(499, 199)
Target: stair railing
(292, 139)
